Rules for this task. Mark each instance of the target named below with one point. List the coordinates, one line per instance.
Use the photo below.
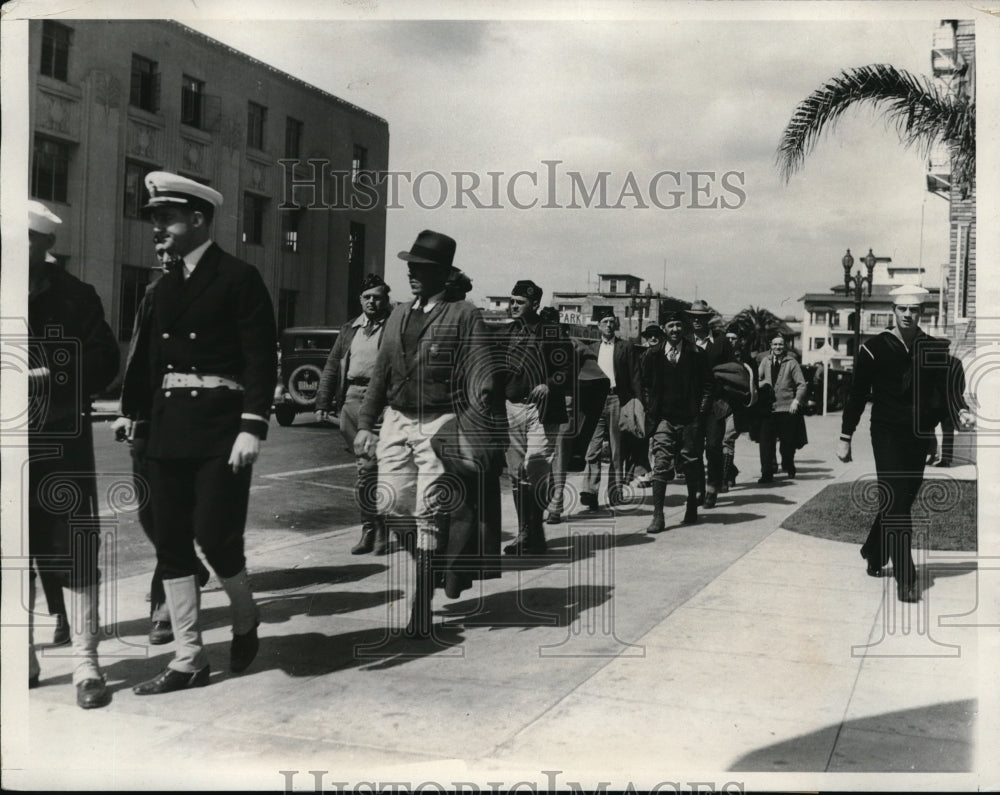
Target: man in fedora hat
(905, 373)
(342, 388)
(204, 374)
(676, 387)
(424, 382)
(537, 371)
(73, 354)
(717, 350)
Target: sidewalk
(723, 652)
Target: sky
(630, 97)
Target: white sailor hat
(41, 219)
(909, 294)
(166, 189)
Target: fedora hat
(431, 248)
(699, 309)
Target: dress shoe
(554, 518)
(33, 682)
(60, 637)
(657, 524)
(521, 546)
(766, 479)
(710, 498)
(942, 463)
(160, 632)
(169, 681)
(243, 650)
(92, 693)
(907, 593)
(791, 471)
(589, 500)
(690, 512)
(874, 569)
(381, 545)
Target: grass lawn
(949, 505)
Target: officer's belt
(196, 380)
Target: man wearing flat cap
(676, 389)
(342, 388)
(537, 370)
(72, 354)
(905, 374)
(432, 385)
(204, 373)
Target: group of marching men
(433, 403)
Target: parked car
(303, 352)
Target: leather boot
(727, 465)
(245, 618)
(84, 630)
(367, 541)
(658, 524)
(523, 500)
(691, 510)
(189, 668)
(381, 545)
(419, 625)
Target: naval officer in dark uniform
(207, 374)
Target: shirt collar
(895, 332)
(363, 320)
(430, 303)
(193, 257)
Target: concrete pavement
(728, 652)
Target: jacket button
(194, 393)
(167, 393)
(192, 336)
(194, 369)
(170, 367)
(166, 335)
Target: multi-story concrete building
(113, 100)
(622, 294)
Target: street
(302, 484)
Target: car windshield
(313, 343)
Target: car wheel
(285, 415)
(303, 384)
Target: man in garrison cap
(537, 366)
(905, 374)
(204, 375)
(433, 386)
(342, 389)
(72, 355)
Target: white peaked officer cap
(166, 189)
(909, 294)
(41, 219)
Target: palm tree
(923, 114)
(757, 327)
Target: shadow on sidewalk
(576, 544)
(527, 608)
(890, 742)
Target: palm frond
(921, 113)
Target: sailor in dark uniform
(73, 354)
(206, 375)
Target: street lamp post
(642, 305)
(858, 284)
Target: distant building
(621, 294)
(114, 100)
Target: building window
(359, 163)
(293, 137)
(136, 195)
(145, 91)
(56, 39)
(290, 231)
(819, 318)
(613, 286)
(134, 281)
(879, 319)
(286, 308)
(834, 320)
(50, 170)
(253, 219)
(256, 119)
(192, 102)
